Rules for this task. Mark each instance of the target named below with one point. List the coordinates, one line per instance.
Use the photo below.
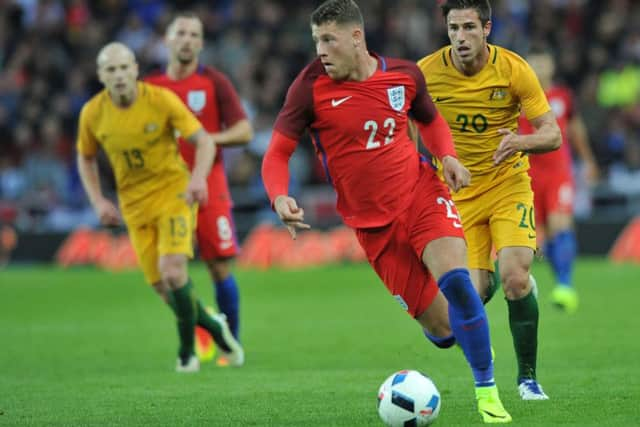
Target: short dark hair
(338, 11)
(481, 6)
(185, 14)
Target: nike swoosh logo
(532, 236)
(336, 102)
(442, 98)
(493, 415)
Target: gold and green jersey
(475, 107)
(141, 146)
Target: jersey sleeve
(180, 117)
(87, 144)
(422, 108)
(528, 88)
(435, 132)
(229, 105)
(297, 112)
(275, 165)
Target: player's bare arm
(546, 138)
(205, 154)
(239, 133)
(106, 211)
(290, 214)
(579, 141)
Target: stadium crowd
(47, 72)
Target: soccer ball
(408, 398)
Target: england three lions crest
(396, 97)
(196, 99)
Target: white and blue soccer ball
(408, 399)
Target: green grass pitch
(84, 347)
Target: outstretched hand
(290, 214)
(455, 174)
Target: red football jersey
(561, 103)
(211, 97)
(359, 130)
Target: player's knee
(444, 254)
(175, 278)
(515, 282)
(559, 222)
(172, 278)
(173, 270)
(219, 269)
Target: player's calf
(469, 323)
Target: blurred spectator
(134, 33)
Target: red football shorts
(216, 232)
(552, 194)
(395, 250)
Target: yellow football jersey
(477, 106)
(141, 146)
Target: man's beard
(126, 99)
